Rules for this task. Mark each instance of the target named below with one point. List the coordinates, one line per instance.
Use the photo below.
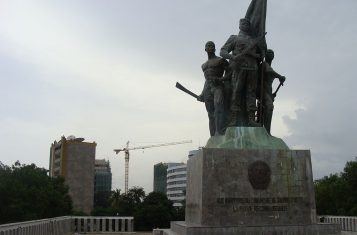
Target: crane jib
(127, 149)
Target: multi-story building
(160, 177)
(74, 159)
(102, 183)
(176, 183)
(170, 178)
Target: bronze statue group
(239, 92)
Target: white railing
(347, 223)
(53, 226)
(67, 225)
(102, 224)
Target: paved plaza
(150, 233)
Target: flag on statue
(256, 14)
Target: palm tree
(115, 198)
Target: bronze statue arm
(276, 75)
(271, 71)
(227, 71)
(201, 96)
(227, 48)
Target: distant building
(102, 183)
(170, 178)
(74, 159)
(176, 183)
(160, 173)
(103, 176)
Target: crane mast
(126, 166)
(127, 153)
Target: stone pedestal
(250, 189)
(180, 228)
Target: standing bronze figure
(241, 51)
(213, 93)
(268, 96)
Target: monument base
(181, 228)
(249, 183)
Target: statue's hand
(200, 98)
(282, 79)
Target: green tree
(337, 194)
(180, 212)
(115, 198)
(126, 204)
(156, 211)
(28, 193)
(102, 199)
(111, 206)
(328, 191)
(135, 195)
(151, 211)
(349, 175)
(101, 211)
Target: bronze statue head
(210, 47)
(244, 24)
(269, 55)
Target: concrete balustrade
(102, 224)
(68, 225)
(53, 226)
(347, 223)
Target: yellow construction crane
(127, 149)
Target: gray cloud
(106, 71)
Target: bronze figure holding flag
(244, 76)
(248, 101)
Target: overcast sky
(106, 71)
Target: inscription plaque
(260, 204)
(259, 175)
